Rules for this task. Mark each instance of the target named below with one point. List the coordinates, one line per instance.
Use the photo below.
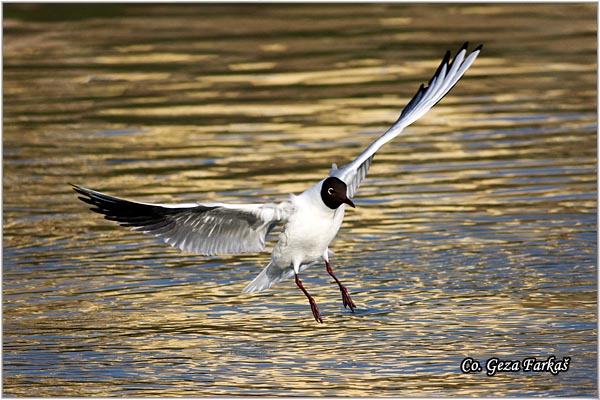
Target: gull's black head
(333, 193)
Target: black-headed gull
(312, 219)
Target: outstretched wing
(444, 79)
(196, 228)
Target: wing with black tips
(193, 227)
(444, 79)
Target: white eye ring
(330, 191)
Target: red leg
(313, 304)
(345, 295)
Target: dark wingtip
(446, 57)
(86, 199)
(478, 48)
(83, 192)
(77, 188)
(464, 46)
(445, 61)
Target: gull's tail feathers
(267, 278)
(271, 275)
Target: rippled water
(474, 234)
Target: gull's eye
(330, 191)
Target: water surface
(474, 234)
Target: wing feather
(196, 228)
(446, 76)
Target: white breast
(309, 231)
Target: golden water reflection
(474, 235)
